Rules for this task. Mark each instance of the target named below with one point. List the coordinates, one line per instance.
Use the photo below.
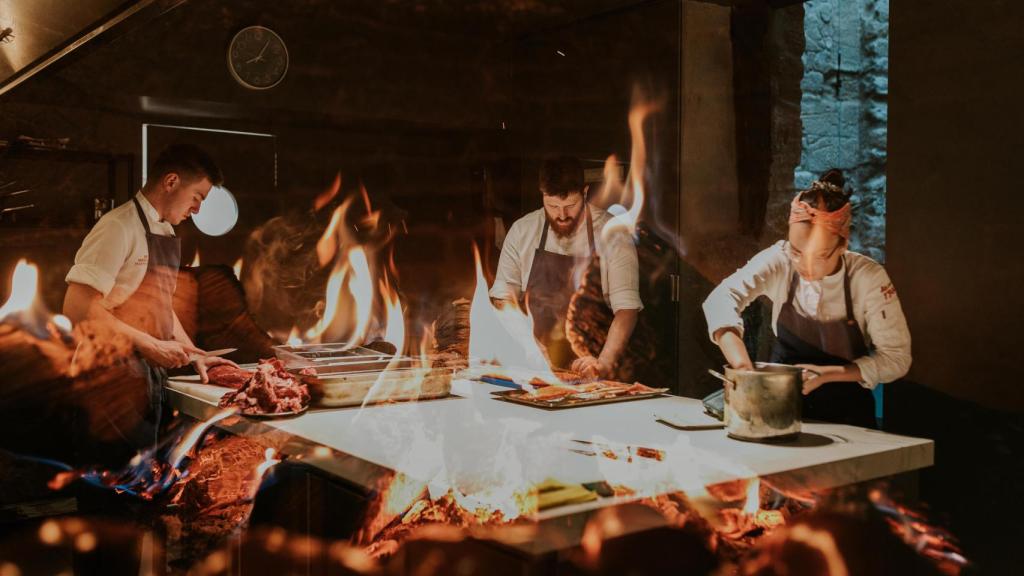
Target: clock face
(257, 58)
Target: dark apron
(803, 340)
(548, 292)
(150, 310)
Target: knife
(221, 352)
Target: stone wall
(844, 107)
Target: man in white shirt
(126, 270)
(545, 254)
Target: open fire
(214, 478)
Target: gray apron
(150, 310)
(548, 293)
(804, 340)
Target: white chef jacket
(114, 255)
(620, 277)
(876, 307)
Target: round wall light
(218, 214)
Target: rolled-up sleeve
(507, 279)
(102, 254)
(890, 357)
(724, 306)
(623, 291)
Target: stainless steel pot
(763, 404)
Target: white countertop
(481, 444)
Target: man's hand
(590, 367)
(202, 363)
(167, 353)
(826, 374)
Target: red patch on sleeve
(888, 291)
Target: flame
(503, 336)
(195, 261)
(149, 473)
(325, 197)
(327, 246)
(238, 268)
(394, 331)
(354, 273)
(360, 286)
(23, 289)
(194, 435)
(913, 527)
(753, 502)
(333, 294)
(401, 494)
(293, 337)
(62, 322)
(269, 462)
(372, 218)
(633, 190)
(352, 270)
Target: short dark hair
(828, 190)
(188, 161)
(561, 175)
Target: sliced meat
(270, 390)
(228, 376)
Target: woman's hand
(733, 348)
(825, 374)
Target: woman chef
(834, 312)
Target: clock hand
(260, 55)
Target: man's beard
(564, 228)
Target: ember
(150, 474)
(914, 528)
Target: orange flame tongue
(25, 309)
(325, 197)
(23, 289)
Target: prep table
(475, 442)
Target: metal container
(341, 375)
(763, 404)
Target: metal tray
(351, 388)
(516, 397)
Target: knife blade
(220, 352)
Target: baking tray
(516, 397)
(519, 378)
(333, 359)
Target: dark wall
(440, 109)
(956, 133)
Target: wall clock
(257, 58)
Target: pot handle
(721, 377)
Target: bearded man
(545, 255)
